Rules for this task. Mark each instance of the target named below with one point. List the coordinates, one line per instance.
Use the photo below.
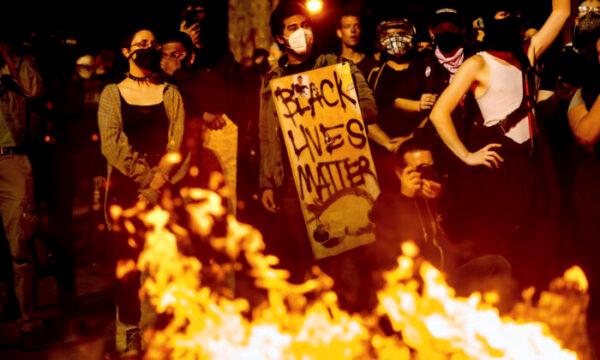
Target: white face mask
(299, 40)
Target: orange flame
(124, 267)
(304, 321)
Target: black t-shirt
(390, 85)
(202, 90)
(365, 65)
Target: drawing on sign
(301, 86)
(329, 154)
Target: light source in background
(314, 6)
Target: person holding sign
(291, 28)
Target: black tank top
(147, 130)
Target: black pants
(124, 194)
(512, 211)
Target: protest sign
(326, 141)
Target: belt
(12, 150)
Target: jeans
(16, 209)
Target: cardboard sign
(327, 145)
(223, 143)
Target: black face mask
(503, 34)
(147, 59)
(449, 41)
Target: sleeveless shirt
(503, 96)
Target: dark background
(103, 22)
(65, 30)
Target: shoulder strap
(373, 78)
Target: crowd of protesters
(484, 134)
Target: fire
(438, 325)
(202, 320)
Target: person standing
(514, 204)
(584, 120)
(400, 89)
(141, 122)
(19, 82)
(349, 30)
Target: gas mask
(396, 44)
(395, 37)
(300, 40)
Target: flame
(124, 267)
(576, 276)
(173, 158)
(304, 321)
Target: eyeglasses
(177, 55)
(145, 44)
(584, 10)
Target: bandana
(451, 63)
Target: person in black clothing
(202, 91)
(399, 89)
(409, 212)
(584, 120)
(447, 31)
(349, 30)
(141, 123)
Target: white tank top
(503, 96)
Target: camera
(428, 172)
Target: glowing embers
(202, 320)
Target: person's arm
(425, 103)
(541, 41)
(176, 131)
(266, 141)
(23, 73)
(441, 118)
(368, 107)
(114, 143)
(584, 124)
(369, 111)
(377, 134)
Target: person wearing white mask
(292, 30)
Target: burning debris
(198, 316)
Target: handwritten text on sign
(327, 145)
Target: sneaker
(134, 341)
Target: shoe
(31, 339)
(134, 341)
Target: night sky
(101, 24)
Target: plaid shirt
(116, 148)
